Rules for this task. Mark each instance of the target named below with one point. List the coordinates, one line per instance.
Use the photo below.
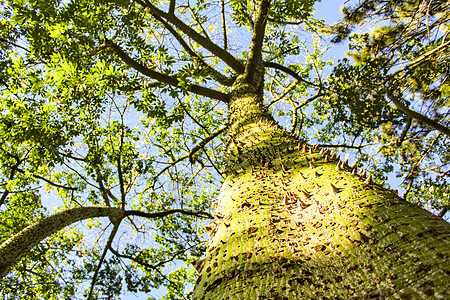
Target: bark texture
(17, 246)
(294, 222)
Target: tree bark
(13, 249)
(294, 222)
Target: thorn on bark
(369, 179)
(333, 190)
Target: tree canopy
(123, 104)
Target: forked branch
(229, 59)
(170, 80)
(222, 79)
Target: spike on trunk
(369, 179)
(345, 163)
(333, 190)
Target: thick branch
(415, 115)
(170, 80)
(17, 246)
(255, 55)
(13, 249)
(172, 7)
(230, 60)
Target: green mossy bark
(20, 244)
(294, 222)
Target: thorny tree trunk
(294, 222)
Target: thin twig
(105, 251)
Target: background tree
(119, 109)
(400, 50)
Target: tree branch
(222, 79)
(404, 132)
(95, 50)
(194, 150)
(416, 165)
(49, 182)
(11, 177)
(283, 94)
(192, 117)
(415, 115)
(13, 44)
(214, 165)
(170, 80)
(104, 191)
(202, 214)
(255, 54)
(13, 249)
(443, 212)
(119, 170)
(285, 22)
(198, 22)
(146, 265)
(230, 60)
(343, 146)
(419, 60)
(286, 70)
(153, 267)
(105, 251)
(224, 27)
(172, 7)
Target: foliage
(124, 103)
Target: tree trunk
(17, 246)
(294, 222)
